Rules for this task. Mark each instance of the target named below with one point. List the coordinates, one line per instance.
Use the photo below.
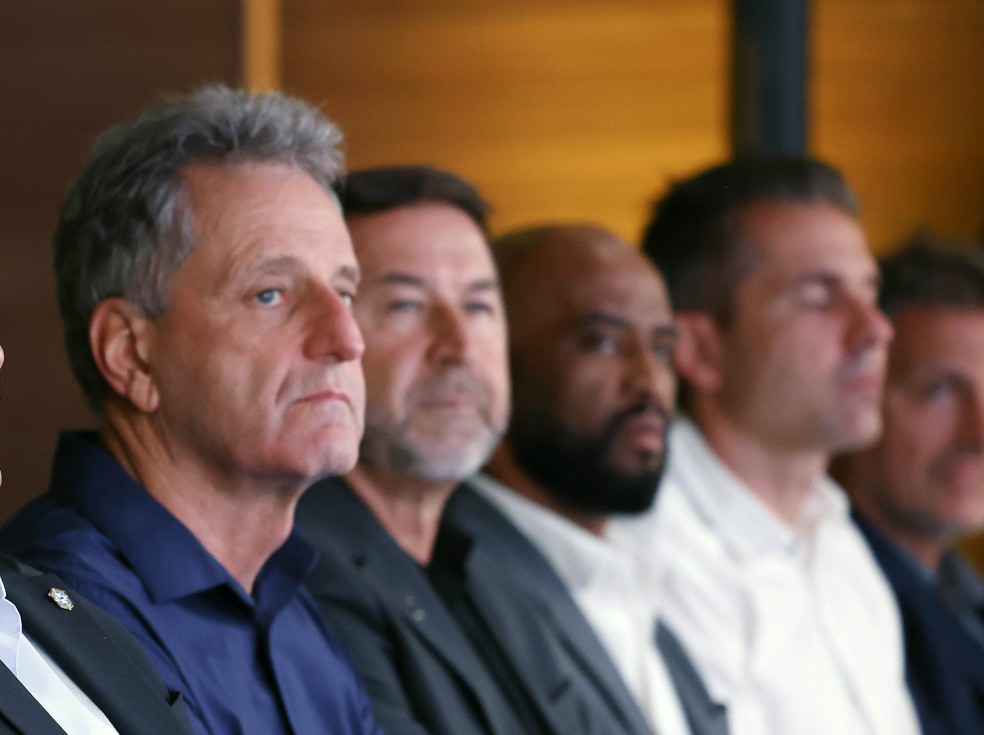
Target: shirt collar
(10, 631)
(959, 582)
(746, 524)
(166, 556)
(578, 556)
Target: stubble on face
(577, 466)
(447, 429)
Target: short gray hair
(124, 229)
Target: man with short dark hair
(205, 277)
(590, 340)
(781, 352)
(400, 590)
(921, 487)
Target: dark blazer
(494, 533)
(944, 665)
(421, 671)
(95, 652)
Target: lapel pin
(61, 598)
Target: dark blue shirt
(263, 664)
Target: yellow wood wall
(898, 102)
(557, 110)
(585, 109)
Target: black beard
(574, 467)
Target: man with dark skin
(591, 337)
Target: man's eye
(663, 350)
(479, 307)
(815, 296)
(938, 391)
(403, 306)
(269, 297)
(600, 344)
(347, 297)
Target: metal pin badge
(61, 598)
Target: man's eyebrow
(398, 278)
(484, 284)
(603, 319)
(351, 272)
(668, 331)
(831, 278)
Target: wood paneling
(67, 71)
(898, 103)
(555, 109)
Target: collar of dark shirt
(165, 555)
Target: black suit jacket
(95, 652)
(421, 671)
(944, 665)
(494, 533)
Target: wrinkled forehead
(257, 211)
(431, 241)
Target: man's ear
(120, 340)
(699, 354)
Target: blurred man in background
(591, 336)
(781, 353)
(423, 614)
(921, 487)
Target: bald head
(591, 336)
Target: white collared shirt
(794, 628)
(615, 592)
(44, 679)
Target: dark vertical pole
(769, 77)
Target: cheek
(908, 448)
(388, 373)
(588, 402)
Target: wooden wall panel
(67, 71)
(898, 102)
(555, 109)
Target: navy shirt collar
(162, 551)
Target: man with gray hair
(205, 277)
(395, 585)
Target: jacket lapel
(21, 710)
(704, 715)
(401, 583)
(499, 539)
(102, 669)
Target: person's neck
(408, 507)
(781, 477)
(928, 552)
(504, 469)
(927, 549)
(239, 519)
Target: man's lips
(863, 383)
(326, 396)
(645, 431)
(456, 400)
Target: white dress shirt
(44, 679)
(794, 628)
(615, 591)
